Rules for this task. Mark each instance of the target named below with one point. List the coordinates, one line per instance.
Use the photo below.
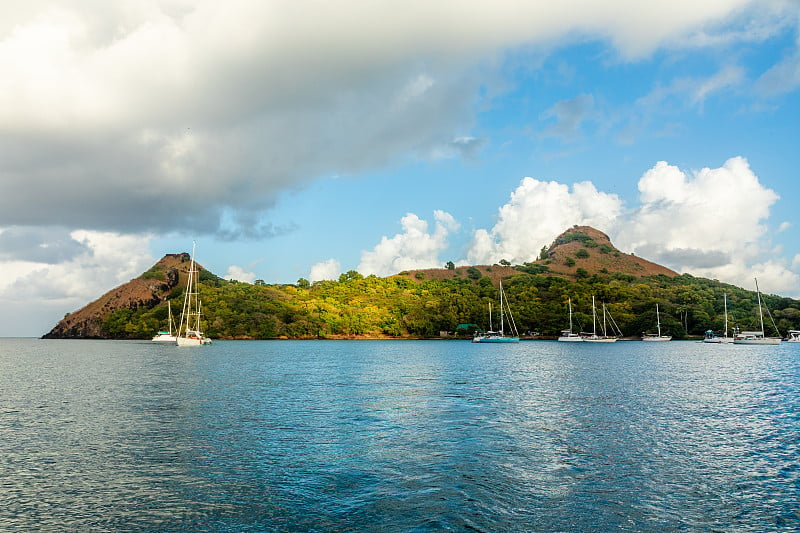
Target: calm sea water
(398, 436)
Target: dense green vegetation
(404, 307)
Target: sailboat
(189, 333)
(167, 336)
(594, 337)
(756, 337)
(713, 338)
(567, 335)
(656, 336)
(499, 336)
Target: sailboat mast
(501, 307)
(760, 313)
(725, 303)
(658, 321)
(186, 314)
(169, 312)
(569, 301)
(594, 318)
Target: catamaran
(499, 336)
(189, 333)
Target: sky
(297, 139)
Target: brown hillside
(147, 290)
(580, 247)
(592, 251)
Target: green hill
(422, 304)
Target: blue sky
(385, 136)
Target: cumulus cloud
(537, 213)
(112, 112)
(239, 274)
(325, 270)
(415, 248)
(710, 223)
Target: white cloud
(415, 248)
(137, 103)
(44, 290)
(536, 214)
(710, 223)
(239, 274)
(325, 270)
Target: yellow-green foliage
(401, 307)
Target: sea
(400, 436)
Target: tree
(505, 262)
(450, 265)
(543, 253)
(350, 275)
(303, 283)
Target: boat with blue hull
(499, 336)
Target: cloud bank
(710, 223)
(113, 112)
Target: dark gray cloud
(39, 245)
(161, 116)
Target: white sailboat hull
(164, 337)
(657, 338)
(486, 339)
(756, 339)
(718, 340)
(189, 341)
(599, 339)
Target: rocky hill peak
(148, 290)
(583, 250)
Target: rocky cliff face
(148, 290)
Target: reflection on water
(398, 436)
